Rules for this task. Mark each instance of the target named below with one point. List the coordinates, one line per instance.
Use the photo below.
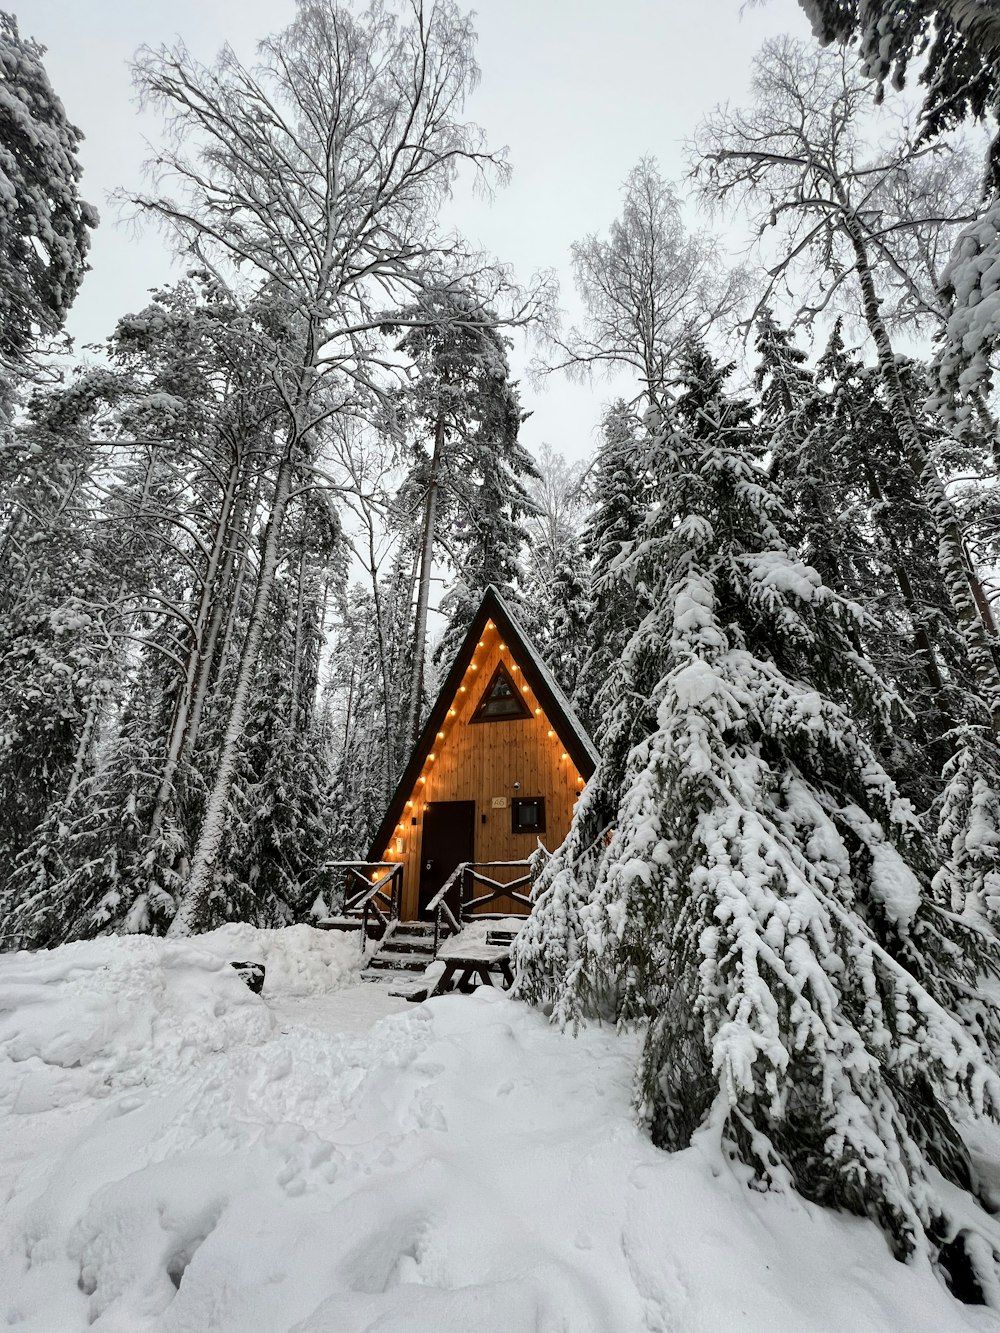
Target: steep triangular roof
(554, 703)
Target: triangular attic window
(501, 700)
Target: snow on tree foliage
(956, 45)
(619, 485)
(461, 412)
(968, 826)
(743, 873)
(44, 224)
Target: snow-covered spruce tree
(488, 530)
(489, 476)
(556, 597)
(619, 486)
(862, 521)
(44, 224)
(742, 873)
(798, 158)
(461, 413)
(561, 614)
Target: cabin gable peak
(500, 732)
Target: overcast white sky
(577, 89)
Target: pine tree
(746, 877)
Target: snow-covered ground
(179, 1154)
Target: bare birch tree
(646, 287)
(316, 177)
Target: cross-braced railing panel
(473, 903)
(466, 877)
(372, 893)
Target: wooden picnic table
(476, 965)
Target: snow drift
(180, 1155)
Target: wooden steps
(404, 953)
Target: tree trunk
(190, 911)
(293, 709)
(220, 605)
(234, 602)
(179, 732)
(424, 586)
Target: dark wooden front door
(448, 839)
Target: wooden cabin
(498, 767)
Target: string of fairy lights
(415, 805)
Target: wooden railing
(377, 901)
(469, 875)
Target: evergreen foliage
(743, 873)
(44, 224)
(621, 487)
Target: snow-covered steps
(338, 923)
(408, 948)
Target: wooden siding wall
(477, 761)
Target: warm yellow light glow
(430, 756)
(551, 735)
(451, 712)
(421, 779)
(462, 689)
(489, 624)
(480, 644)
(565, 755)
(440, 735)
(524, 689)
(473, 667)
(409, 803)
(538, 711)
(503, 647)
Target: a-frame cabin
(498, 768)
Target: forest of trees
(769, 594)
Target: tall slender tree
(318, 174)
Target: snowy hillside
(177, 1154)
